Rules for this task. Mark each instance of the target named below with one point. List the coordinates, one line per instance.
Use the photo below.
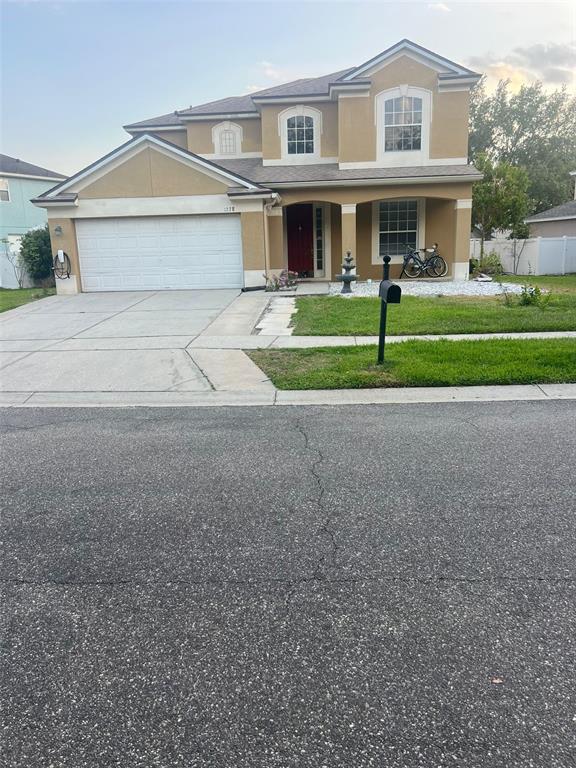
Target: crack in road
(329, 558)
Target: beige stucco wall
(554, 228)
(66, 242)
(276, 242)
(174, 137)
(339, 195)
(200, 135)
(253, 240)
(271, 145)
(449, 126)
(151, 173)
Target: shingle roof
(269, 175)
(564, 211)
(309, 86)
(18, 167)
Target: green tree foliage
(36, 253)
(500, 200)
(532, 129)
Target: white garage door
(160, 252)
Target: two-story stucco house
(370, 159)
(19, 182)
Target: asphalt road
(270, 588)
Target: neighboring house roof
(12, 166)
(558, 213)
(273, 175)
(307, 87)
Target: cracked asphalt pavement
(291, 587)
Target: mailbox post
(389, 293)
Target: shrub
(286, 279)
(532, 296)
(36, 253)
(491, 264)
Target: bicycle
(61, 265)
(433, 264)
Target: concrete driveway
(108, 342)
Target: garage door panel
(155, 253)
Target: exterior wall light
(58, 230)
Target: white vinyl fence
(533, 256)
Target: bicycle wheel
(62, 268)
(436, 267)
(412, 267)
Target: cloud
(442, 7)
(552, 63)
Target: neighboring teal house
(19, 182)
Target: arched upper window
(300, 135)
(300, 128)
(227, 139)
(403, 117)
(403, 124)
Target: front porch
(311, 236)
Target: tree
(500, 200)
(36, 253)
(15, 259)
(532, 129)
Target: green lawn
(560, 283)
(421, 363)
(12, 298)
(333, 316)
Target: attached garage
(152, 216)
(160, 252)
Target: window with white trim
(4, 191)
(397, 227)
(300, 128)
(227, 139)
(227, 142)
(403, 124)
(300, 135)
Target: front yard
(334, 316)
(15, 297)
(422, 364)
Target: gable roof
(247, 105)
(12, 166)
(146, 139)
(407, 46)
(557, 213)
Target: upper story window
(403, 124)
(300, 129)
(227, 139)
(4, 191)
(228, 143)
(403, 116)
(300, 135)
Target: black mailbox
(390, 292)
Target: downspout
(276, 200)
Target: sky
(73, 72)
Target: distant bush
(532, 296)
(491, 264)
(36, 253)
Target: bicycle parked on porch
(431, 262)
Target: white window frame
(420, 233)
(297, 111)
(6, 187)
(217, 132)
(409, 156)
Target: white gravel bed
(415, 288)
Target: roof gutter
(376, 181)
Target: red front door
(300, 239)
